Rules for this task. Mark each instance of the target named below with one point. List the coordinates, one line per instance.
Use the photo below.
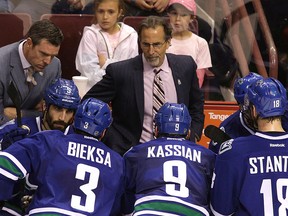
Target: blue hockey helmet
(62, 93)
(241, 86)
(268, 96)
(93, 117)
(173, 118)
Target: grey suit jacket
(123, 85)
(11, 70)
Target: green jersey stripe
(10, 167)
(168, 207)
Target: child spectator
(105, 41)
(181, 13)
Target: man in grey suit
(31, 66)
(128, 86)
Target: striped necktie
(31, 82)
(158, 93)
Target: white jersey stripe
(8, 174)
(10, 211)
(29, 184)
(215, 213)
(54, 210)
(265, 136)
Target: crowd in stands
(199, 52)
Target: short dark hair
(45, 29)
(153, 22)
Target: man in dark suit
(128, 86)
(31, 66)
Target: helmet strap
(45, 125)
(156, 132)
(102, 135)
(188, 135)
(255, 116)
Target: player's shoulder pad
(226, 146)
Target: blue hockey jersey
(168, 175)
(34, 124)
(251, 176)
(75, 174)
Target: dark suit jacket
(123, 85)
(11, 70)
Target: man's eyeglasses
(157, 45)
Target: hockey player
(169, 174)
(235, 125)
(73, 172)
(61, 101)
(251, 173)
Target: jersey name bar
(174, 150)
(90, 153)
(268, 164)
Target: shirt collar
(23, 60)
(147, 67)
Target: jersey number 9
(175, 176)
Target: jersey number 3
(82, 169)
